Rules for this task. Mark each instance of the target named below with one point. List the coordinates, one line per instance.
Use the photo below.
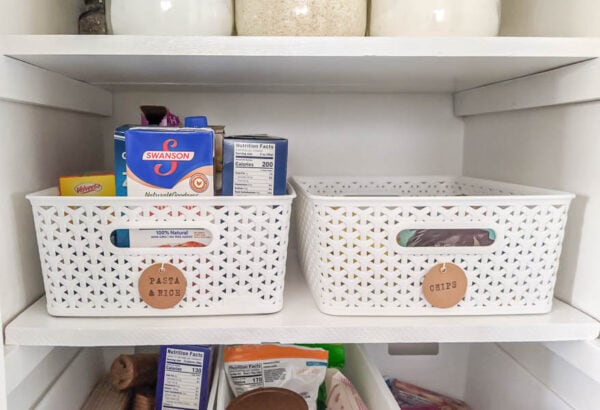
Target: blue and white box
(254, 165)
(184, 377)
(169, 162)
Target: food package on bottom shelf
(136, 370)
(296, 368)
(341, 394)
(272, 398)
(105, 396)
(184, 377)
(411, 397)
(336, 360)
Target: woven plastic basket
(240, 272)
(348, 238)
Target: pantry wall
(554, 147)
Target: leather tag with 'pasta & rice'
(162, 286)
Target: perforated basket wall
(347, 240)
(240, 272)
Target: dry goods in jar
(172, 17)
(553, 18)
(435, 17)
(301, 17)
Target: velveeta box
(87, 185)
(169, 162)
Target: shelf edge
(29, 334)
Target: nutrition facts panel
(254, 169)
(183, 380)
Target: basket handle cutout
(436, 238)
(447, 238)
(162, 237)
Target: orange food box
(96, 184)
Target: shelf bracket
(575, 83)
(24, 83)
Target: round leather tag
(162, 286)
(445, 285)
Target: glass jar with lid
(301, 17)
(172, 17)
(93, 20)
(551, 18)
(435, 17)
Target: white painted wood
(584, 356)
(20, 361)
(554, 147)
(40, 16)
(35, 385)
(24, 83)
(575, 83)
(75, 384)
(445, 372)
(3, 381)
(304, 46)
(299, 321)
(576, 388)
(39, 145)
(483, 375)
(298, 64)
(495, 381)
(367, 379)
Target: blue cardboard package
(254, 165)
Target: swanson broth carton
(169, 162)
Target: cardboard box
(184, 377)
(254, 165)
(92, 184)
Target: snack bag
(341, 394)
(411, 397)
(299, 369)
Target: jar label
(445, 285)
(162, 286)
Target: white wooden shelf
(296, 64)
(299, 321)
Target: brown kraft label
(445, 285)
(162, 286)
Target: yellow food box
(98, 184)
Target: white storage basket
(348, 230)
(240, 272)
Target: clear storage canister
(553, 18)
(172, 17)
(301, 17)
(435, 17)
